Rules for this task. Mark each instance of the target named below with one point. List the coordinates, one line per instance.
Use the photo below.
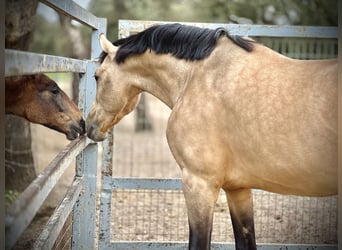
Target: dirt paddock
(156, 215)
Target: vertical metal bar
(106, 177)
(85, 208)
(95, 44)
(84, 222)
(106, 192)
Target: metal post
(106, 192)
(84, 221)
(85, 207)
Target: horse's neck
(165, 76)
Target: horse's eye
(96, 77)
(54, 90)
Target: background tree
(47, 39)
(19, 167)
(77, 49)
(296, 12)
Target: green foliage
(295, 12)
(48, 38)
(60, 76)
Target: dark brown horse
(38, 99)
(243, 117)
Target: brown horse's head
(38, 99)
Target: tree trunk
(19, 22)
(19, 170)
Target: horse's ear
(107, 46)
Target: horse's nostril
(90, 131)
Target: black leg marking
(243, 233)
(200, 238)
(240, 203)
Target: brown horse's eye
(96, 77)
(54, 90)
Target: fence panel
(143, 212)
(82, 192)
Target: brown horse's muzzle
(72, 131)
(76, 130)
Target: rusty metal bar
(85, 207)
(21, 62)
(106, 192)
(56, 222)
(84, 223)
(21, 212)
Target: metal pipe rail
(68, 7)
(22, 210)
(129, 26)
(83, 189)
(48, 237)
(21, 63)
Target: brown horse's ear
(107, 46)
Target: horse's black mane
(182, 41)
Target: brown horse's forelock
(182, 41)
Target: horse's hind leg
(200, 200)
(241, 211)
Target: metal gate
(81, 196)
(113, 183)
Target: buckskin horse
(243, 117)
(38, 99)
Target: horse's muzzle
(76, 131)
(94, 134)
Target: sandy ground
(161, 215)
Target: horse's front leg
(200, 198)
(241, 211)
